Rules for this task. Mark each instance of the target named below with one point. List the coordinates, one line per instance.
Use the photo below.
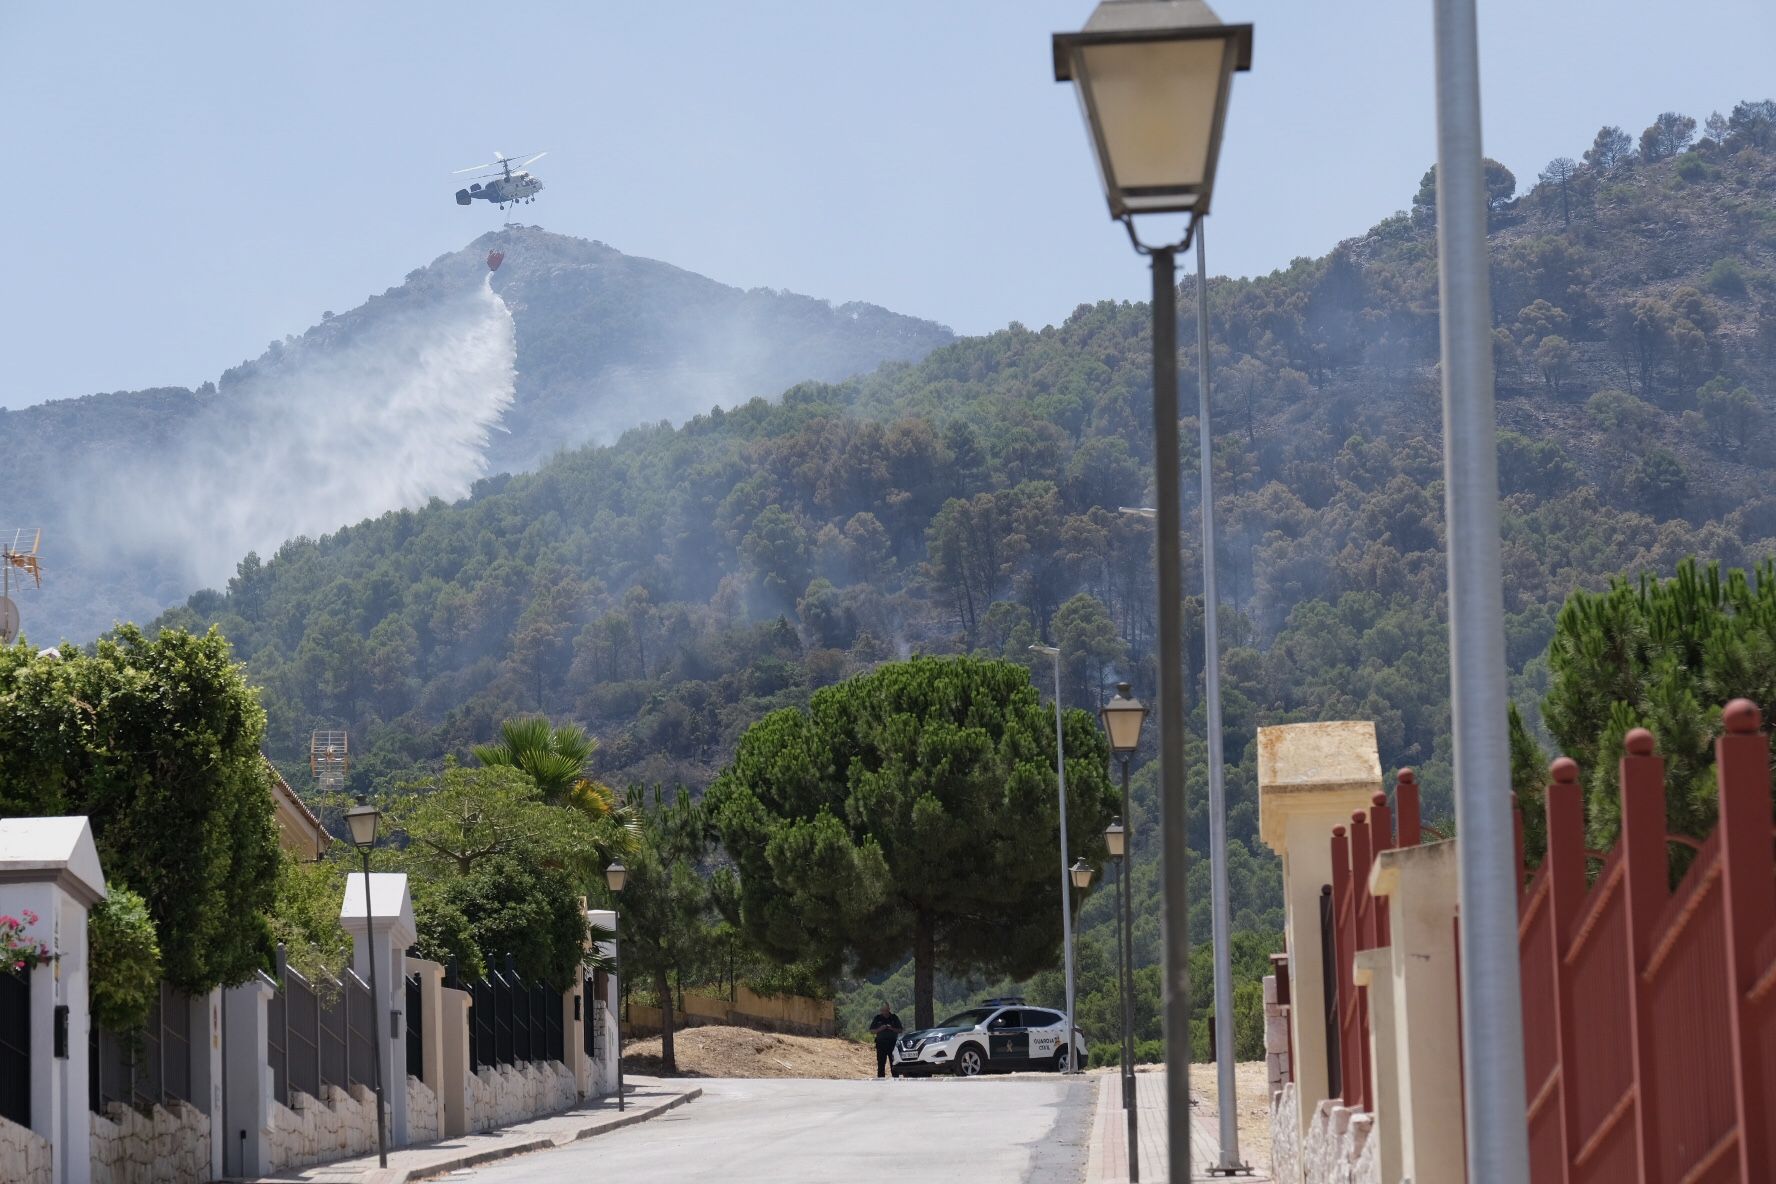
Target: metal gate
(415, 1029)
(320, 1033)
(1329, 976)
(15, 1047)
(510, 1022)
(144, 1068)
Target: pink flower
(30, 917)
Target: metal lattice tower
(330, 759)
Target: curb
(469, 1159)
(541, 1143)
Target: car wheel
(970, 1062)
(1060, 1060)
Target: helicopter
(509, 186)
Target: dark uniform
(885, 1028)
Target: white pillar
(206, 1068)
(391, 931)
(453, 1027)
(51, 867)
(1311, 777)
(1419, 884)
(246, 1064)
(603, 1072)
(1374, 970)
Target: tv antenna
(18, 548)
(330, 759)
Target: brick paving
(1107, 1157)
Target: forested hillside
(145, 495)
(669, 588)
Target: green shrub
(125, 960)
(1725, 279)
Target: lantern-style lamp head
(1153, 78)
(363, 819)
(1116, 838)
(1082, 874)
(616, 875)
(1123, 717)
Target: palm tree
(553, 757)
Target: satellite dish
(9, 620)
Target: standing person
(885, 1026)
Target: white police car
(999, 1036)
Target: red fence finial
(1640, 742)
(1742, 716)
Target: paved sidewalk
(1107, 1157)
(646, 1097)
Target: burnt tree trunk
(668, 1063)
(924, 972)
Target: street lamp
(1115, 841)
(364, 820)
(1081, 871)
(1054, 653)
(615, 876)
(1123, 717)
(1153, 79)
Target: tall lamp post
(1066, 896)
(1153, 79)
(1492, 999)
(364, 820)
(1115, 840)
(615, 876)
(1123, 717)
(1081, 872)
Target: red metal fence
(1649, 1030)
(1361, 923)
(1649, 1012)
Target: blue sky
(188, 181)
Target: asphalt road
(1026, 1128)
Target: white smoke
(378, 416)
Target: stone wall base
(165, 1145)
(24, 1155)
(1285, 1134)
(503, 1094)
(422, 1113)
(312, 1130)
(1340, 1149)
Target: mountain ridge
(595, 328)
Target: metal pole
(376, 1001)
(1066, 875)
(1130, 1102)
(1223, 925)
(1122, 1069)
(1174, 826)
(617, 974)
(1492, 1002)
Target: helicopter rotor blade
(538, 156)
(472, 168)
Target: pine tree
(911, 810)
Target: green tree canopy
(911, 809)
(666, 914)
(496, 870)
(157, 742)
(1665, 655)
